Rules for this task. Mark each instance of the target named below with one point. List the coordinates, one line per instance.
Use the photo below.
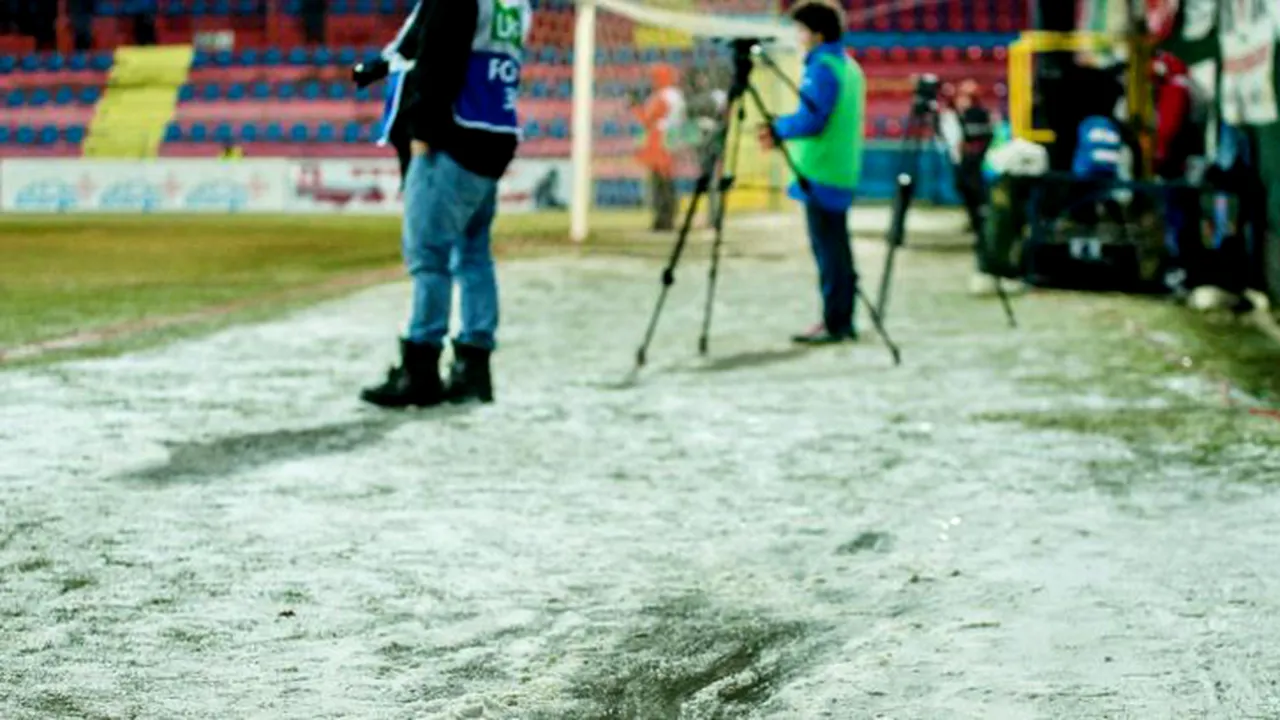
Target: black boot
(469, 378)
(414, 383)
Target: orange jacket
(654, 153)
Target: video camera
(925, 96)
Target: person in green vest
(825, 138)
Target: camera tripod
(922, 126)
(715, 172)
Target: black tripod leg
(669, 272)
(725, 183)
(896, 238)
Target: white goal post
(584, 54)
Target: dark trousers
(664, 201)
(972, 187)
(837, 278)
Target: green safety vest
(1002, 136)
(834, 158)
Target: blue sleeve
(819, 93)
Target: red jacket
(1178, 134)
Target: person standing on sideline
(662, 117)
(825, 137)
(977, 130)
(465, 129)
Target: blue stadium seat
(564, 89)
(210, 92)
(275, 132)
(559, 128)
(223, 58)
(287, 91)
(311, 90)
(299, 133)
(625, 55)
(39, 97)
(325, 133)
(293, 7)
(298, 56)
(273, 57)
(249, 57)
(261, 91)
(351, 133)
(199, 8)
(236, 92)
(25, 135)
(321, 57)
(186, 93)
(224, 133)
(74, 134)
(202, 59)
(198, 132)
(247, 7)
(173, 133)
(15, 98)
(538, 89)
(5, 134)
(78, 62)
(64, 96)
(338, 90)
(363, 94)
(347, 56)
(388, 7)
(90, 95)
(532, 130)
(102, 61)
(220, 8)
(363, 7)
(249, 133)
(339, 7)
(30, 63)
(175, 8)
(611, 129)
(372, 132)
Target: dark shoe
(469, 378)
(819, 335)
(414, 383)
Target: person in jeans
(465, 130)
(825, 138)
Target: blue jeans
(837, 279)
(448, 218)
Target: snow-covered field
(217, 529)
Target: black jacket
(442, 45)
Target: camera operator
(825, 138)
(977, 130)
(461, 117)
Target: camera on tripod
(925, 97)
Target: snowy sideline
(217, 529)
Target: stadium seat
(274, 132)
(249, 133)
(39, 97)
(223, 58)
(30, 63)
(198, 132)
(321, 57)
(260, 91)
(5, 134)
(298, 56)
(311, 90)
(64, 96)
(273, 57)
(173, 133)
(186, 93)
(287, 91)
(78, 62)
(325, 133)
(236, 92)
(7, 64)
(25, 135)
(201, 60)
(102, 62)
(75, 134)
(15, 98)
(351, 133)
(210, 92)
(347, 56)
(224, 133)
(298, 133)
(338, 90)
(249, 57)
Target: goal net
(594, 65)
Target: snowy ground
(217, 529)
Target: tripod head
(744, 51)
